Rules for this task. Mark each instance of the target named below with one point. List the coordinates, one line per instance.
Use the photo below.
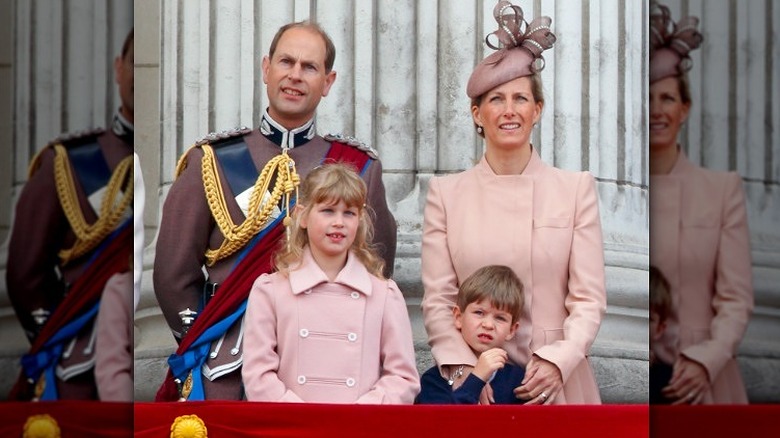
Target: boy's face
(483, 326)
(657, 326)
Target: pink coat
(308, 340)
(700, 241)
(114, 341)
(545, 225)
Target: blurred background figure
(699, 235)
(70, 230)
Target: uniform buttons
(352, 337)
(355, 295)
(304, 333)
(301, 380)
(350, 382)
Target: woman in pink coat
(512, 209)
(327, 327)
(699, 232)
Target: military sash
(229, 304)
(78, 308)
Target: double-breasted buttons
(355, 295)
(304, 333)
(301, 380)
(352, 337)
(350, 382)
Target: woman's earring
(479, 129)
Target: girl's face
(484, 326)
(667, 113)
(331, 228)
(508, 113)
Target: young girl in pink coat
(327, 327)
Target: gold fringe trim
(237, 236)
(89, 236)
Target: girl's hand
(541, 384)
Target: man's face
(123, 74)
(296, 78)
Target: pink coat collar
(308, 275)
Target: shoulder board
(355, 143)
(215, 138)
(77, 138)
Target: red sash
(259, 260)
(83, 294)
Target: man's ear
(266, 64)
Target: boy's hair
(331, 183)
(660, 295)
(497, 283)
(330, 48)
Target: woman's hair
(685, 88)
(660, 295)
(536, 90)
(329, 184)
(497, 283)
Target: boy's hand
(490, 361)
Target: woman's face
(667, 113)
(507, 113)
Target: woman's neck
(663, 159)
(508, 161)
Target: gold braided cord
(89, 236)
(237, 236)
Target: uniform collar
(122, 127)
(284, 138)
(308, 275)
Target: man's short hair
(497, 283)
(330, 49)
(128, 42)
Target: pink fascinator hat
(671, 43)
(519, 48)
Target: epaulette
(217, 137)
(76, 138)
(355, 143)
(213, 139)
(68, 140)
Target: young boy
(660, 310)
(488, 309)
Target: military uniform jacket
(188, 228)
(40, 230)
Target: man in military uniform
(218, 209)
(69, 236)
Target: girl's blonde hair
(331, 183)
